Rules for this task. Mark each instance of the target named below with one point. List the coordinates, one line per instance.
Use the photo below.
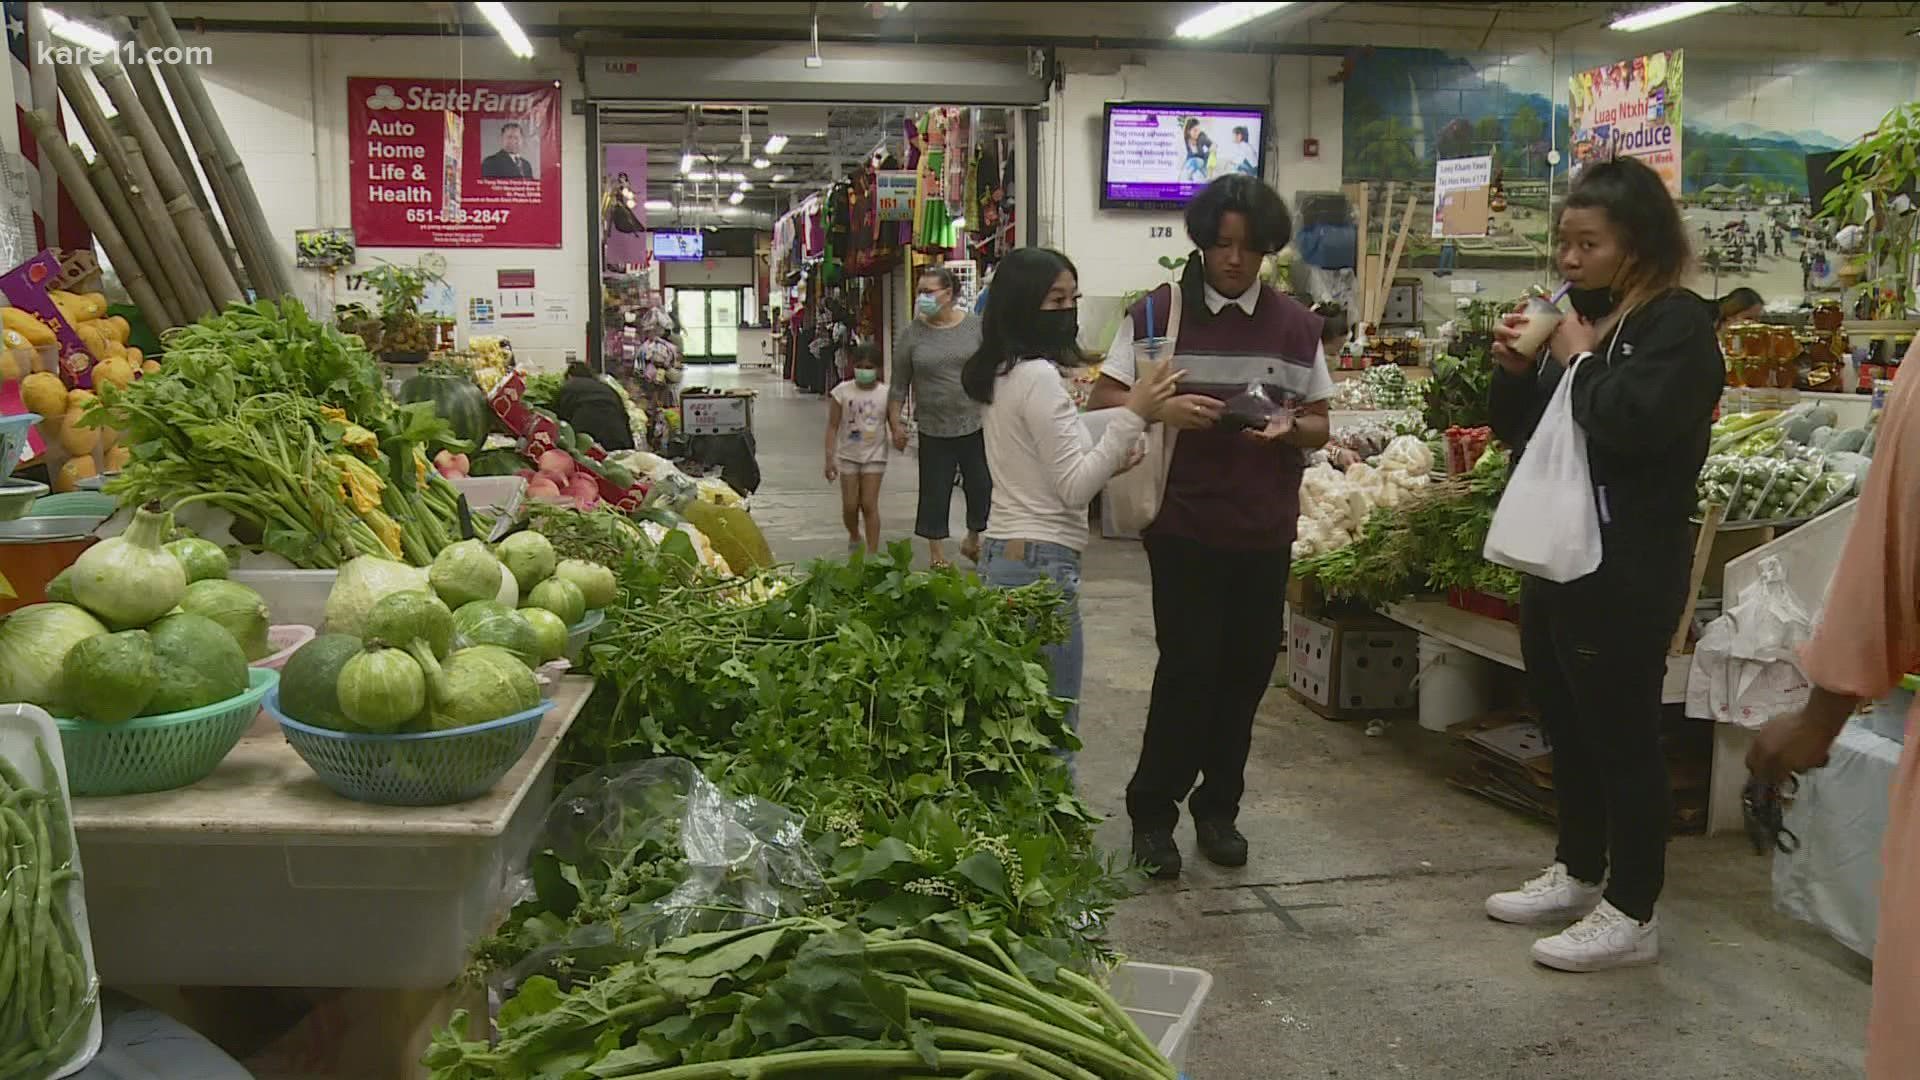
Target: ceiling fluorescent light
(776, 143)
(761, 163)
(686, 163)
(777, 177)
(1661, 15)
(746, 185)
(85, 35)
(502, 21)
(737, 198)
(699, 176)
(1220, 18)
(659, 204)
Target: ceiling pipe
(613, 39)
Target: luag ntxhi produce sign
(1630, 108)
(447, 163)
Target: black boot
(1221, 843)
(1157, 853)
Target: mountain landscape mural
(1747, 122)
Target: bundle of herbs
(815, 997)
(283, 422)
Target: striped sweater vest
(1224, 489)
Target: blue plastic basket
(423, 768)
(160, 753)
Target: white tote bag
(1547, 524)
(1133, 498)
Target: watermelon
(456, 399)
(502, 462)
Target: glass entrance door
(709, 324)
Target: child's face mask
(865, 376)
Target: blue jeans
(1060, 565)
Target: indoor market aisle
(1355, 944)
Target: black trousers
(940, 460)
(1218, 617)
(1596, 656)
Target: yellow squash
(35, 331)
(43, 392)
(74, 471)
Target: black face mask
(1593, 304)
(1058, 329)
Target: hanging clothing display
(933, 228)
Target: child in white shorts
(857, 447)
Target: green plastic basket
(160, 753)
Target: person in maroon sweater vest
(1219, 551)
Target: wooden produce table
(259, 875)
(1499, 641)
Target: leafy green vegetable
(813, 997)
(283, 422)
(1457, 394)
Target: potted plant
(1878, 175)
(395, 330)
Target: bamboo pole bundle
(1393, 264)
(1358, 198)
(107, 185)
(252, 262)
(193, 225)
(174, 254)
(172, 265)
(155, 101)
(74, 176)
(253, 258)
(209, 137)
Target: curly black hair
(1269, 225)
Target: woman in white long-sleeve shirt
(1046, 465)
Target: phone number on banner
(460, 217)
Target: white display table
(1499, 641)
(261, 876)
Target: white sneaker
(1605, 939)
(1554, 896)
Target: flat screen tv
(690, 246)
(1158, 154)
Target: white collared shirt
(1118, 364)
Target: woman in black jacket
(1647, 375)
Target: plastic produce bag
(1745, 668)
(637, 854)
(1547, 524)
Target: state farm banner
(1629, 109)
(446, 163)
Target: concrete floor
(1355, 944)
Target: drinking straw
(1149, 316)
(1560, 294)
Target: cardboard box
(1349, 666)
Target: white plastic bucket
(1454, 684)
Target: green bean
(42, 932)
(58, 829)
